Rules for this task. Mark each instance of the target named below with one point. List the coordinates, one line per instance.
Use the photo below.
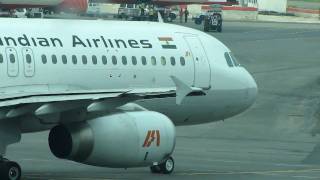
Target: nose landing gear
(9, 170)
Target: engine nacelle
(121, 140)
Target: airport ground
(272, 140)
(307, 4)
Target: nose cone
(252, 89)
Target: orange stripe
(147, 139)
(151, 138)
(158, 138)
(301, 10)
(235, 8)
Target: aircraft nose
(252, 88)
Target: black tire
(206, 25)
(219, 28)
(10, 170)
(198, 21)
(155, 169)
(167, 166)
(172, 16)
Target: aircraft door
(28, 62)
(12, 62)
(201, 63)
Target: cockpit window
(228, 59)
(231, 59)
(234, 59)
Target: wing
(50, 102)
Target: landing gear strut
(166, 167)
(9, 170)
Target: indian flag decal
(167, 43)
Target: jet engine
(120, 140)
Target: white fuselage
(49, 55)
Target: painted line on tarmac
(39, 160)
(40, 177)
(254, 162)
(252, 172)
(306, 177)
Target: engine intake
(63, 139)
(127, 139)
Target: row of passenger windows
(124, 60)
(231, 59)
(104, 60)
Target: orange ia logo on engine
(152, 136)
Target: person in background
(142, 10)
(151, 11)
(181, 15)
(186, 14)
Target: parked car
(5, 13)
(20, 13)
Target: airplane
(112, 92)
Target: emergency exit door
(201, 63)
(28, 62)
(12, 62)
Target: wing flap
(46, 98)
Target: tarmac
(288, 19)
(304, 4)
(277, 138)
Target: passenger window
(84, 59)
(134, 60)
(74, 59)
(12, 58)
(173, 61)
(94, 60)
(44, 59)
(163, 60)
(234, 59)
(153, 60)
(1, 58)
(54, 59)
(182, 61)
(114, 60)
(144, 60)
(228, 59)
(104, 60)
(124, 60)
(64, 59)
(28, 58)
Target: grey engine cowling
(127, 139)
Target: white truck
(129, 11)
(93, 9)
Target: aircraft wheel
(10, 170)
(165, 167)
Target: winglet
(184, 90)
(160, 20)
